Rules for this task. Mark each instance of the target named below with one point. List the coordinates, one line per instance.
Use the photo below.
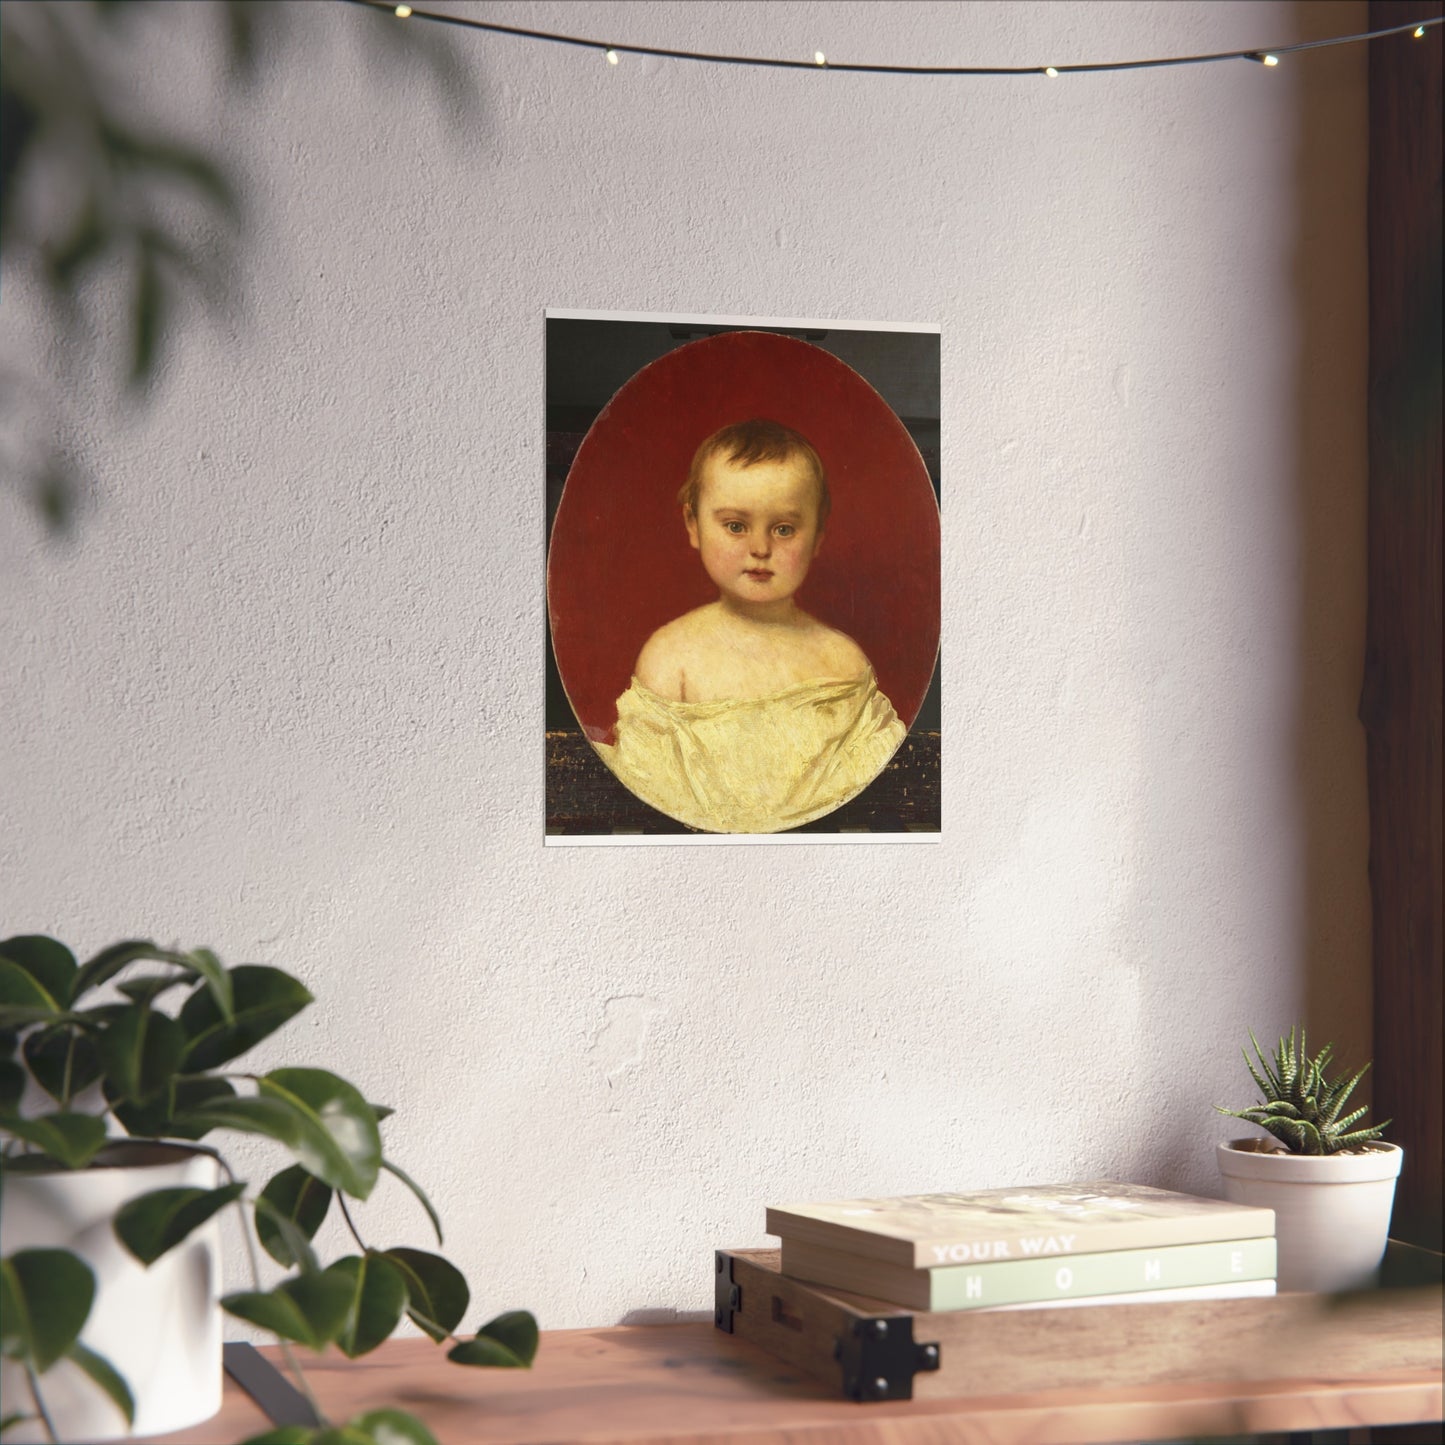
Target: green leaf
(64, 1060)
(382, 1111)
(46, 1296)
(73, 1139)
(10, 1421)
(158, 1118)
(141, 1052)
(1338, 1126)
(507, 1342)
(264, 998)
(23, 999)
(151, 1224)
(210, 968)
(186, 1094)
(341, 1435)
(416, 1189)
(104, 1374)
(392, 1427)
(378, 1296)
(517, 1331)
(330, 1141)
(1360, 1136)
(12, 1086)
(109, 962)
(14, 1322)
(298, 1197)
(340, 1143)
(310, 1310)
(50, 964)
(142, 1121)
(269, 1117)
(295, 1243)
(148, 989)
(437, 1293)
(96, 1019)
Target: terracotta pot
(160, 1327)
(1331, 1211)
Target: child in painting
(747, 715)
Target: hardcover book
(1031, 1281)
(1246, 1289)
(925, 1231)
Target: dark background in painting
(621, 564)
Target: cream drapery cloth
(758, 765)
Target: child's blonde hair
(749, 442)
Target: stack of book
(1030, 1247)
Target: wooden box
(871, 1350)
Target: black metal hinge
(727, 1296)
(880, 1358)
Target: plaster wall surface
(280, 692)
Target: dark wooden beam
(1400, 702)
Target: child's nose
(761, 544)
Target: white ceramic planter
(1331, 1212)
(160, 1327)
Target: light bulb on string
(1260, 57)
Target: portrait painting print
(743, 596)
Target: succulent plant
(1301, 1108)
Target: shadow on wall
(1310, 737)
(1331, 306)
(91, 187)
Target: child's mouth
(758, 574)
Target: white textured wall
(283, 692)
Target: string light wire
(1261, 54)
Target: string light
(1269, 57)
(402, 11)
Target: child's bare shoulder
(838, 654)
(666, 655)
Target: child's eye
(736, 528)
(785, 529)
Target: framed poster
(743, 586)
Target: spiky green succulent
(1301, 1108)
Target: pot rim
(1253, 1158)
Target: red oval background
(620, 564)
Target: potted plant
(1331, 1186)
(112, 1084)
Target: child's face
(756, 527)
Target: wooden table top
(692, 1384)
